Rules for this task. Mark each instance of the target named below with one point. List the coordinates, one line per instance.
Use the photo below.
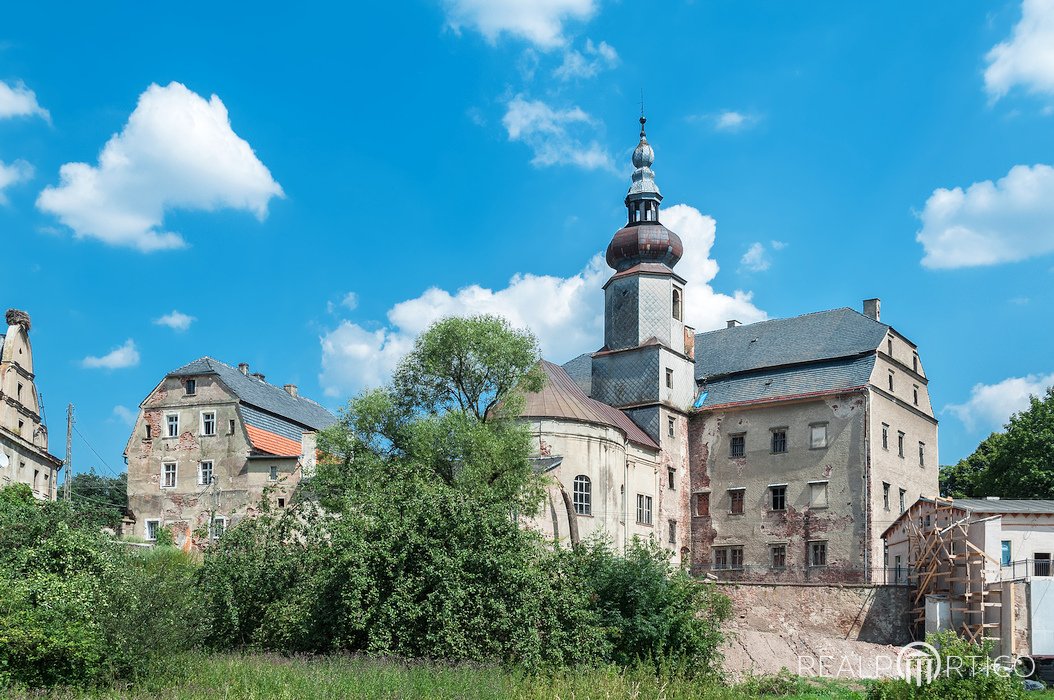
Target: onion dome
(643, 239)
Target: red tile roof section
(268, 442)
(563, 398)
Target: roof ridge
(791, 318)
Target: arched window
(583, 495)
(677, 303)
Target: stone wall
(867, 613)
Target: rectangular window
(817, 494)
(192, 387)
(273, 475)
(281, 503)
(720, 558)
(737, 498)
(702, 505)
(669, 378)
(903, 502)
(779, 440)
(582, 495)
(915, 393)
(889, 347)
(643, 509)
(737, 445)
(208, 423)
(817, 554)
(885, 495)
(21, 424)
(922, 454)
(671, 478)
(779, 497)
(1005, 554)
(673, 531)
(168, 475)
(149, 431)
(778, 556)
(205, 473)
(172, 422)
(728, 558)
(671, 426)
(152, 526)
(891, 381)
(900, 443)
(1042, 564)
(915, 362)
(18, 392)
(219, 526)
(230, 428)
(818, 436)
(885, 436)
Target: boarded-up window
(818, 494)
(702, 505)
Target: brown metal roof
(563, 398)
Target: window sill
(731, 513)
(584, 515)
(777, 510)
(644, 524)
(823, 447)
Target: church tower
(647, 365)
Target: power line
(90, 447)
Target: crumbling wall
(867, 613)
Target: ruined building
(24, 456)
(777, 450)
(211, 443)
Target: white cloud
(1027, 58)
(757, 257)
(540, 22)
(991, 405)
(125, 415)
(176, 320)
(588, 62)
(177, 151)
(565, 313)
(350, 301)
(729, 120)
(988, 223)
(19, 101)
(120, 357)
(556, 137)
(16, 172)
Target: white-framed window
(168, 475)
(273, 473)
(582, 495)
(778, 494)
(737, 498)
(191, 387)
(217, 527)
(817, 494)
(818, 436)
(643, 509)
(205, 472)
(171, 425)
(152, 526)
(818, 553)
(208, 422)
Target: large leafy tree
(1017, 463)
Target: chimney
(259, 375)
(732, 323)
(243, 367)
(290, 389)
(873, 308)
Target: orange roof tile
(277, 445)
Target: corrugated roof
(824, 335)
(788, 382)
(563, 398)
(1023, 505)
(258, 393)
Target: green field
(259, 677)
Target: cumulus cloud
(565, 313)
(125, 415)
(988, 223)
(555, 136)
(12, 174)
(1027, 57)
(540, 22)
(176, 320)
(177, 151)
(991, 405)
(587, 63)
(757, 258)
(19, 101)
(120, 357)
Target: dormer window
(192, 387)
(677, 310)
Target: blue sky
(306, 188)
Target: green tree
(1017, 463)
(108, 493)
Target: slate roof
(580, 370)
(563, 398)
(983, 505)
(787, 382)
(824, 335)
(259, 394)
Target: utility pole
(69, 453)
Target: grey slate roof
(580, 370)
(799, 380)
(824, 335)
(983, 505)
(258, 393)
